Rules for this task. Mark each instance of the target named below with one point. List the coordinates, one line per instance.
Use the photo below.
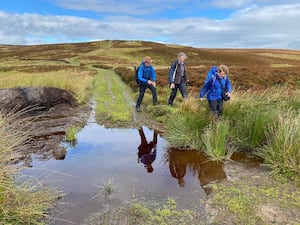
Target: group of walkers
(217, 86)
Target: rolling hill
(249, 68)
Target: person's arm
(140, 75)
(153, 74)
(228, 86)
(186, 74)
(205, 88)
(153, 79)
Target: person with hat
(178, 77)
(146, 79)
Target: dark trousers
(216, 107)
(143, 88)
(173, 94)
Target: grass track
(113, 97)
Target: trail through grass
(113, 97)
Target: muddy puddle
(138, 162)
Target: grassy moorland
(262, 118)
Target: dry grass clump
(20, 203)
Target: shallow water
(102, 154)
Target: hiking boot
(138, 109)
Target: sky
(197, 23)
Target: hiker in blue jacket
(178, 77)
(218, 89)
(147, 79)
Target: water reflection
(197, 163)
(177, 165)
(147, 151)
(102, 154)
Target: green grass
(113, 98)
(281, 152)
(281, 65)
(240, 202)
(185, 129)
(281, 55)
(252, 120)
(79, 82)
(71, 133)
(216, 141)
(147, 214)
(249, 115)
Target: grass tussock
(250, 114)
(19, 203)
(266, 120)
(216, 141)
(107, 189)
(71, 133)
(14, 132)
(23, 203)
(281, 151)
(185, 129)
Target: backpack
(136, 72)
(211, 73)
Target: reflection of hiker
(147, 151)
(210, 172)
(177, 168)
(214, 86)
(147, 79)
(178, 77)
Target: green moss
(239, 200)
(147, 214)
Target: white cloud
(256, 27)
(230, 4)
(141, 7)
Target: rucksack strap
(174, 73)
(222, 87)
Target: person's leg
(143, 137)
(155, 137)
(173, 95)
(154, 95)
(219, 108)
(183, 90)
(213, 105)
(141, 96)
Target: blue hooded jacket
(212, 72)
(146, 73)
(213, 88)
